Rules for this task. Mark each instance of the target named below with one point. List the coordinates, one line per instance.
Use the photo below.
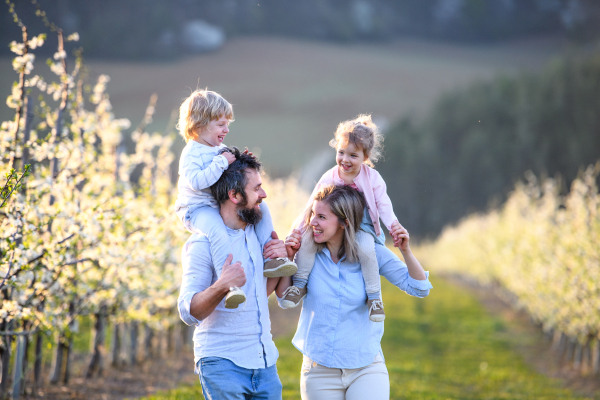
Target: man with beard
(233, 348)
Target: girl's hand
(396, 229)
(293, 243)
(401, 239)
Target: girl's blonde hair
(362, 133)
(348, 205)
(201, 107)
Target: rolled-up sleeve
(198, 275)
(396, 272)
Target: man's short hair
(234, 177)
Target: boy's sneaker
(279, 267)
(234, 298)
(292, 296)
(376, 313)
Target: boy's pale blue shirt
(241, 335)
(334, 329)
(199, 168)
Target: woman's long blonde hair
(348, 205)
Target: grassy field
(289, 95)
(446, 346)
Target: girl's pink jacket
(372, 185)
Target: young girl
(203, 122)
(358, 146)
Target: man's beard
(249, 215)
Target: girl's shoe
(376, 313)
(234, 298)
(279, 267)
(292, 296)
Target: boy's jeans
(221, 379)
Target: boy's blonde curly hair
(201, 107)
(362, 133)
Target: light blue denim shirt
(241, 335)
(334, 329)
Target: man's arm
(197, 277)
(205, 302)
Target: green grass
(443, 347)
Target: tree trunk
(148, 348)
(37, 366)
(596, 357)
(6, 361)
(586, 356)
(69, 359)
(556, 338)
(116, 345)
(57, 364)
(18, 367)
(577, 356)
(134, 343)
(170, 338)
(570, 350)
(98, 344)
(26, 361)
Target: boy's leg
(207, 221)
(305, 259)
(370, 271)
(279, 266)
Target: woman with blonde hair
(341, 347)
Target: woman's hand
(293, 243)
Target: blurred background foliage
(161, 24)
(468, 151)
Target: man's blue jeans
(222, 379)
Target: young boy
(204, 119)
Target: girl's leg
(305, 259)
(277, 267)
(370, 271)
(368, 264)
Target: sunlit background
(473, 96)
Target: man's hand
(275, 248)
(293, 243)
(229, 156)
(232, 274)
